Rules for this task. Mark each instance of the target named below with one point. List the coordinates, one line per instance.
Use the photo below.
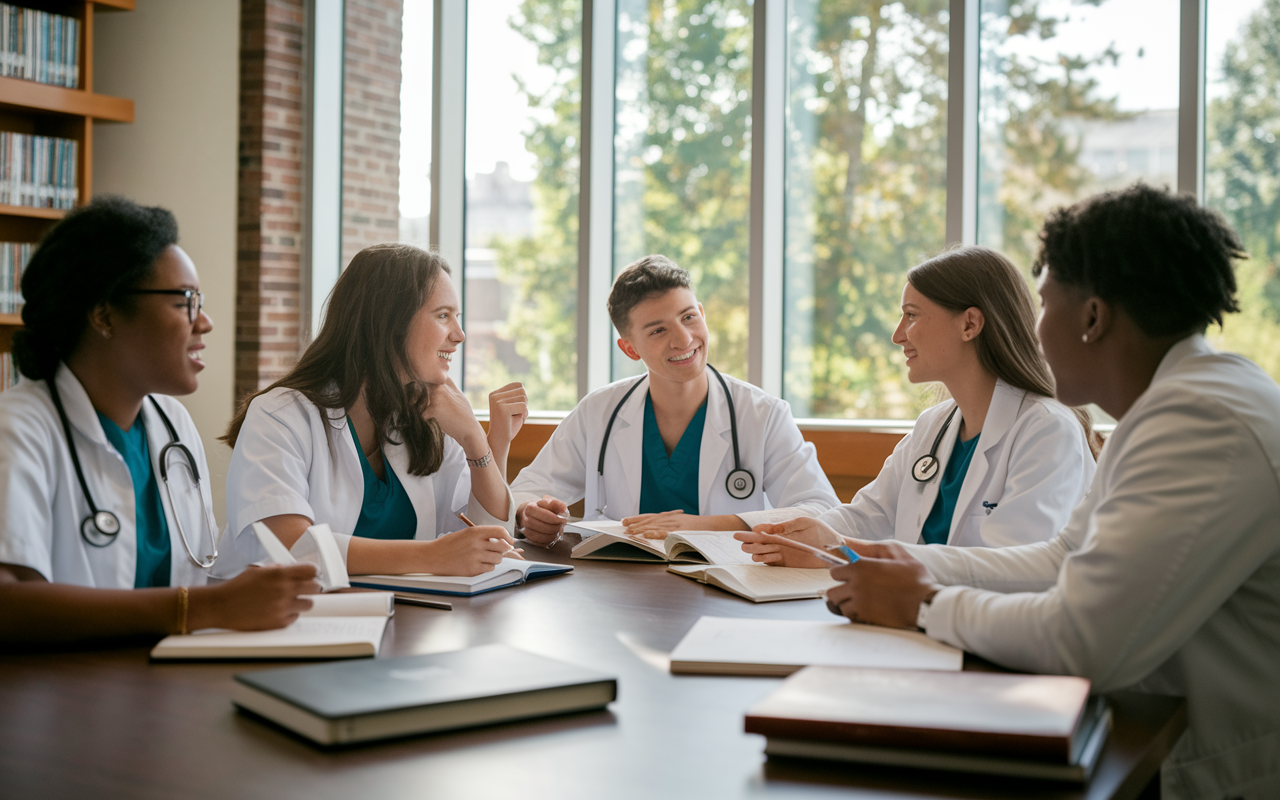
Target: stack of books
(13, 259)
(1029, 726)
(38, 171)
(39, 46)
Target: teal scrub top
(937, 527)
(668, 483)
(154, 548)
(386, 511)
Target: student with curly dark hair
(1167, 577)
(112, 328)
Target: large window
(682, 155)
(866, 162)
(797, 156)
(1074, 98)
(1242, 164)
(521, 259)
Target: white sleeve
(1187, 517)
(560, 468)
(27, 486)
(873, 511)
(1050, 467)
(793, 479)
(269, 470)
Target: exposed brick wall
(271, 203)
(371, 129)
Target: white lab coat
(42, 505)
(789, 481)
(1030, 469)
(1167, 578)
(292, 457)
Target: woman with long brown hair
(998, 463)
(368, 434)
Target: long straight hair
(977, 277)
(362, 347)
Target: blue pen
(852, 556)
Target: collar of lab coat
(1194, 345)
(80, 411)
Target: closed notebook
(1027, 725)
(509, 572)
(346, 625)
(779, 647)
(760, 583)
(610, 543)
(388, 697)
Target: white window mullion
(768, 201)
(324, 195)
(595, 201)
(962, 123)
(1191, 69)
(448, 146)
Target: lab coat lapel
(1005, 402)
(926, 494)
(424, 502)
(717, 441)
(627, 444)
(346, 474)
(80, 411)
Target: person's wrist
(202, 605)
(475, 445)
(925, 606)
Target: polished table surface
(105, 722)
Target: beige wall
(179, 62)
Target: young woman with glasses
(105, 521)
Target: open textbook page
(698, 547)
(508, 572)
(760, 583)
(772, 647)
(337, 626)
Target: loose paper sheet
(722, 640)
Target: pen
(822, 554)
(413, 600)
(471, 524)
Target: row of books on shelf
(38, 171)
(39, 46)
(13, 258)
(8, 372)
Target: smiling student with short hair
(687, 447)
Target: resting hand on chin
(806, 530)
(884, 587)
(452, 410)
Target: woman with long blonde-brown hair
(368, 434)
(998, 463)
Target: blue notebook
(510, 572)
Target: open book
(344, 625)
(611, 543)
(779, 647)
(510, 572)
(760, 583)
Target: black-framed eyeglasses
(195, 299)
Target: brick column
(371, 125)
(271, 203)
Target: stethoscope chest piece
(100, 528)
(925, 468)
(740, 484)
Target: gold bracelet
(182, 610)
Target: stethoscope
(739, 483)
(927, 466)
(101, 527)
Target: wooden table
(105, 722)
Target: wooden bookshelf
(46, 110)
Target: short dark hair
(1160, 256)
(640, 280)
(93, 255)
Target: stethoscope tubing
(95, 512)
